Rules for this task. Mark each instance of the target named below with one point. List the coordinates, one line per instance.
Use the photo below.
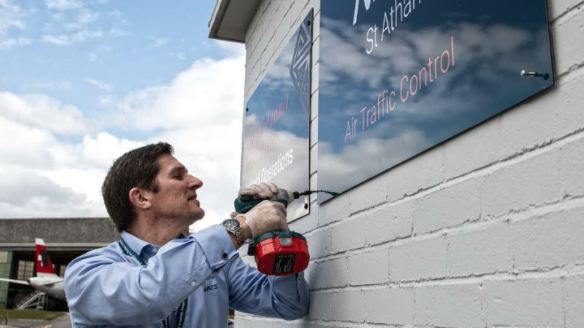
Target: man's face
(176, 198)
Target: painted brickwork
(486, 230)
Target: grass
(29, 314)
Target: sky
(84, 81)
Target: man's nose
(194, 182)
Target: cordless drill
(277, 253)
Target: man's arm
(285, 297)
(107, 288)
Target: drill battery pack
(280, 253)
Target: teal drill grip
(244, 203)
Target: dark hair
(136, 168)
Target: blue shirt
(104, 287)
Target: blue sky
(82, 81)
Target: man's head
(149, 180)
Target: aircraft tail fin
(44, 266)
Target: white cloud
(11, 16)
(69, 39)
(84, 18)
(159, 42)
(60, 40)
(63, 4)
(100, 85)
(199, 113)
(11, 43)
(42, 112)
(118, 33)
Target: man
(155, 276)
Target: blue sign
(398, 77)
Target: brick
(313, 160)
(282, 30)
(449, 306)
(315, 51)
(565, 30)
(315, 75)
(316, 27)
(348, 305)
(268, 56)
(558, 8)
(251, 323)
(334, 210)
(297, 12)
(319, 243)
(393, 306)
(533, 181)
(320, 306)
(306, 223)
(472, 150)
(369, 194)
(448, 207)
(422, 259)
(554, 239)
(421, 172)
(550, 116)
(314, 185)
(571, 168)
(349, 234)
(534, 302)
(388, 222)
(574, 301)
(368, 268)
(314, 135)
(480, 251)
(314, 110)
(330, 274)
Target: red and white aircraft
(46, 280)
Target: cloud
(159, 42)
(198, 112)
(69, 39)
(100, 85)
(11, 16)
(84, 18)
(63, 4)
(92, 57)
(11, 43)
(118, 33)
(40, 111)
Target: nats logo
(210, 287)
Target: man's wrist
(246, 229)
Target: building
(65, 239)
(479, 227)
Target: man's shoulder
(112, 252)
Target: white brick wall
(486, 230)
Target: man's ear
(140, 198)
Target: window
(25, 270)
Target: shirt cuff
(217, 246)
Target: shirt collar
(135, 243)
(141, 247)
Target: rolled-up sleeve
(105, 287)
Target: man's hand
(263, 190)
(265, 217)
